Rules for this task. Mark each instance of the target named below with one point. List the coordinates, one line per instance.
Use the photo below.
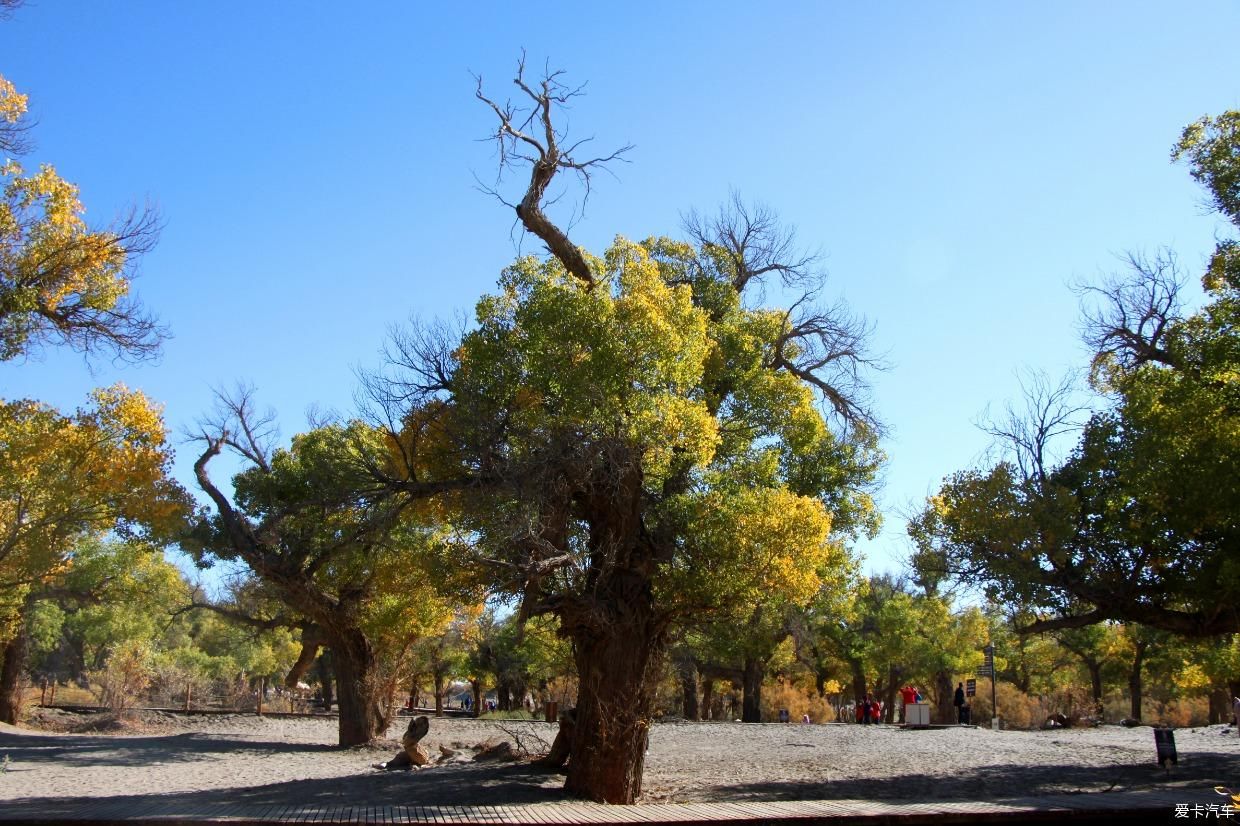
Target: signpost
(970, 688)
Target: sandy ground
(205, 761)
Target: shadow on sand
(1197, 771)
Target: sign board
(985, 671)
(970, 688)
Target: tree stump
(562, 747)
(413, 754)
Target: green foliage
(1138, 522)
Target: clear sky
(959, 165)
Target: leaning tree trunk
(708, 699)
(751, 707)
(362, 715)
(618, 640)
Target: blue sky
(958, 165)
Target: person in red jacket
(909, 695)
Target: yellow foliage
(12, 103)
(61, 477)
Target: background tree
(64, 478)
(347, 558)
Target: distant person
(958, 702)
(865, 709)
(908, 695)
(1235, 713)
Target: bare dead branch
(124, 328)
(1050, 412)
(528, 136)
(237, 425)
(1129, 324)
(826, 348)
(754, 244)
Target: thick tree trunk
(12, 677)
(476, 685)
(415, 694)
(618, 641)
(708, 699)
(1220, 706)
(944, 711)
(1095, 684)
(858, 681)
(689, 691)
(439, 679)
(889, 695)
(751, 708)
(362, 716)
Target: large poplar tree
(634, 438)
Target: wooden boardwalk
(1126, 807)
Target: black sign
(985, 671)
(970, 688)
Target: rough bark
(439, 680)
(362, 716)
(618, 643)
(708, 699)
(13, 675)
